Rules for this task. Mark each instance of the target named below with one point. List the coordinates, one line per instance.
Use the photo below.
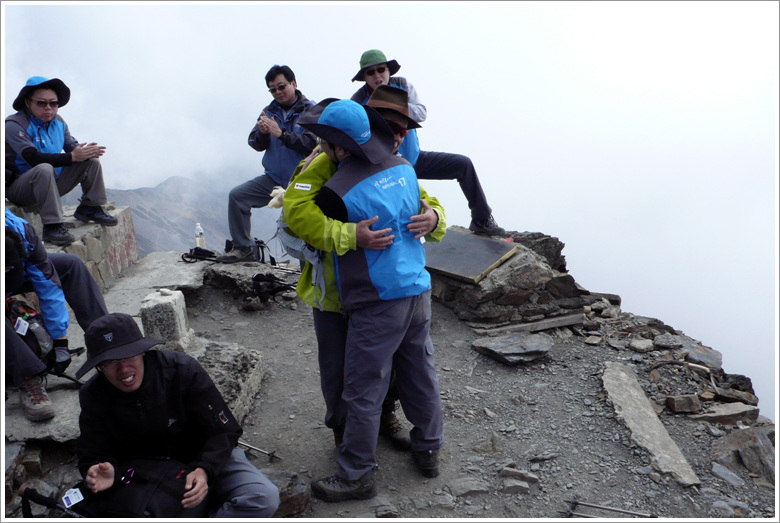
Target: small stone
(515, 486)
(641, 345)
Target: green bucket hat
(375, 57)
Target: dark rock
(294, 493)
(514, 348)
(749, 448)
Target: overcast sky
(643, 135)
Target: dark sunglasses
(397, 129)
(370, 72)
(280, 88)
(44, 103)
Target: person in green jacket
(307, 221)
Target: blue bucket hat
(41, 82)
(358, 129)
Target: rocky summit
(557, 403)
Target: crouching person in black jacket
(162, 404)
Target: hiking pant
(242, 199)
(246, 492)
(40, 187)
(448, 166)
(386, 335)
(79, 287)
(331, 331)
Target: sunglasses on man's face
(370, 72)
(279, 88)
(44, 103)
(398, 129)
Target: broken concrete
(632, 406)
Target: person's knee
(257, 500)
(44, 173)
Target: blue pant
(393, 334)
(246, 492)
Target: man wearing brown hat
(44, 162)
(151, 403)
(385, 293)
(376, 70)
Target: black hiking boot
(57, 234)
(427, 461)
(333, 488)
(391, 428)
(94, 213)
(488, 227)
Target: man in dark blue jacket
(43, 161)
(285, 144)
(55, 278)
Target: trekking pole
(271, 455)
(30, 494)
(574, 502)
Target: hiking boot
(487, 226)
(237, 254)
(333, 488)
(35, 402)
(391, 428)
(57, 234)
(94, 213)
(427, 461)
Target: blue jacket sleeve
(41, 274)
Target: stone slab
(634, 409)
(514, 348)
(728, 413)
(467, 256)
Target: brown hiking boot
(35, 402)
(333, 488)
(427, 461)
(391, 428)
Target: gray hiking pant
(246, 492)
(40, 187)
(393, 334)
(242, 199)
(84, 297)
(331, 331)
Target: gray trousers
(393, 334)
(449, 166)
(40, 187)
(242, 199)
(84, 297)
(246, 490)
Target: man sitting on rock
(55, 278)
(43, 161)
(153, 403)
(376, 70)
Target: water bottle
(42, 335)
(200, 239)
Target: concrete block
(164, 315)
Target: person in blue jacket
(284, 144)
(386, 295)
(375, 70)
(56, 278)
(43, 161)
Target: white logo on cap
(109, 337)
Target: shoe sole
(58, 242)
(335, 498)
(99, 222)
(39, 417)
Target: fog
(642, 134)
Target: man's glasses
(44, 103)
(279, 88)
(112, 365)
(398, 129)
(370, 72)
